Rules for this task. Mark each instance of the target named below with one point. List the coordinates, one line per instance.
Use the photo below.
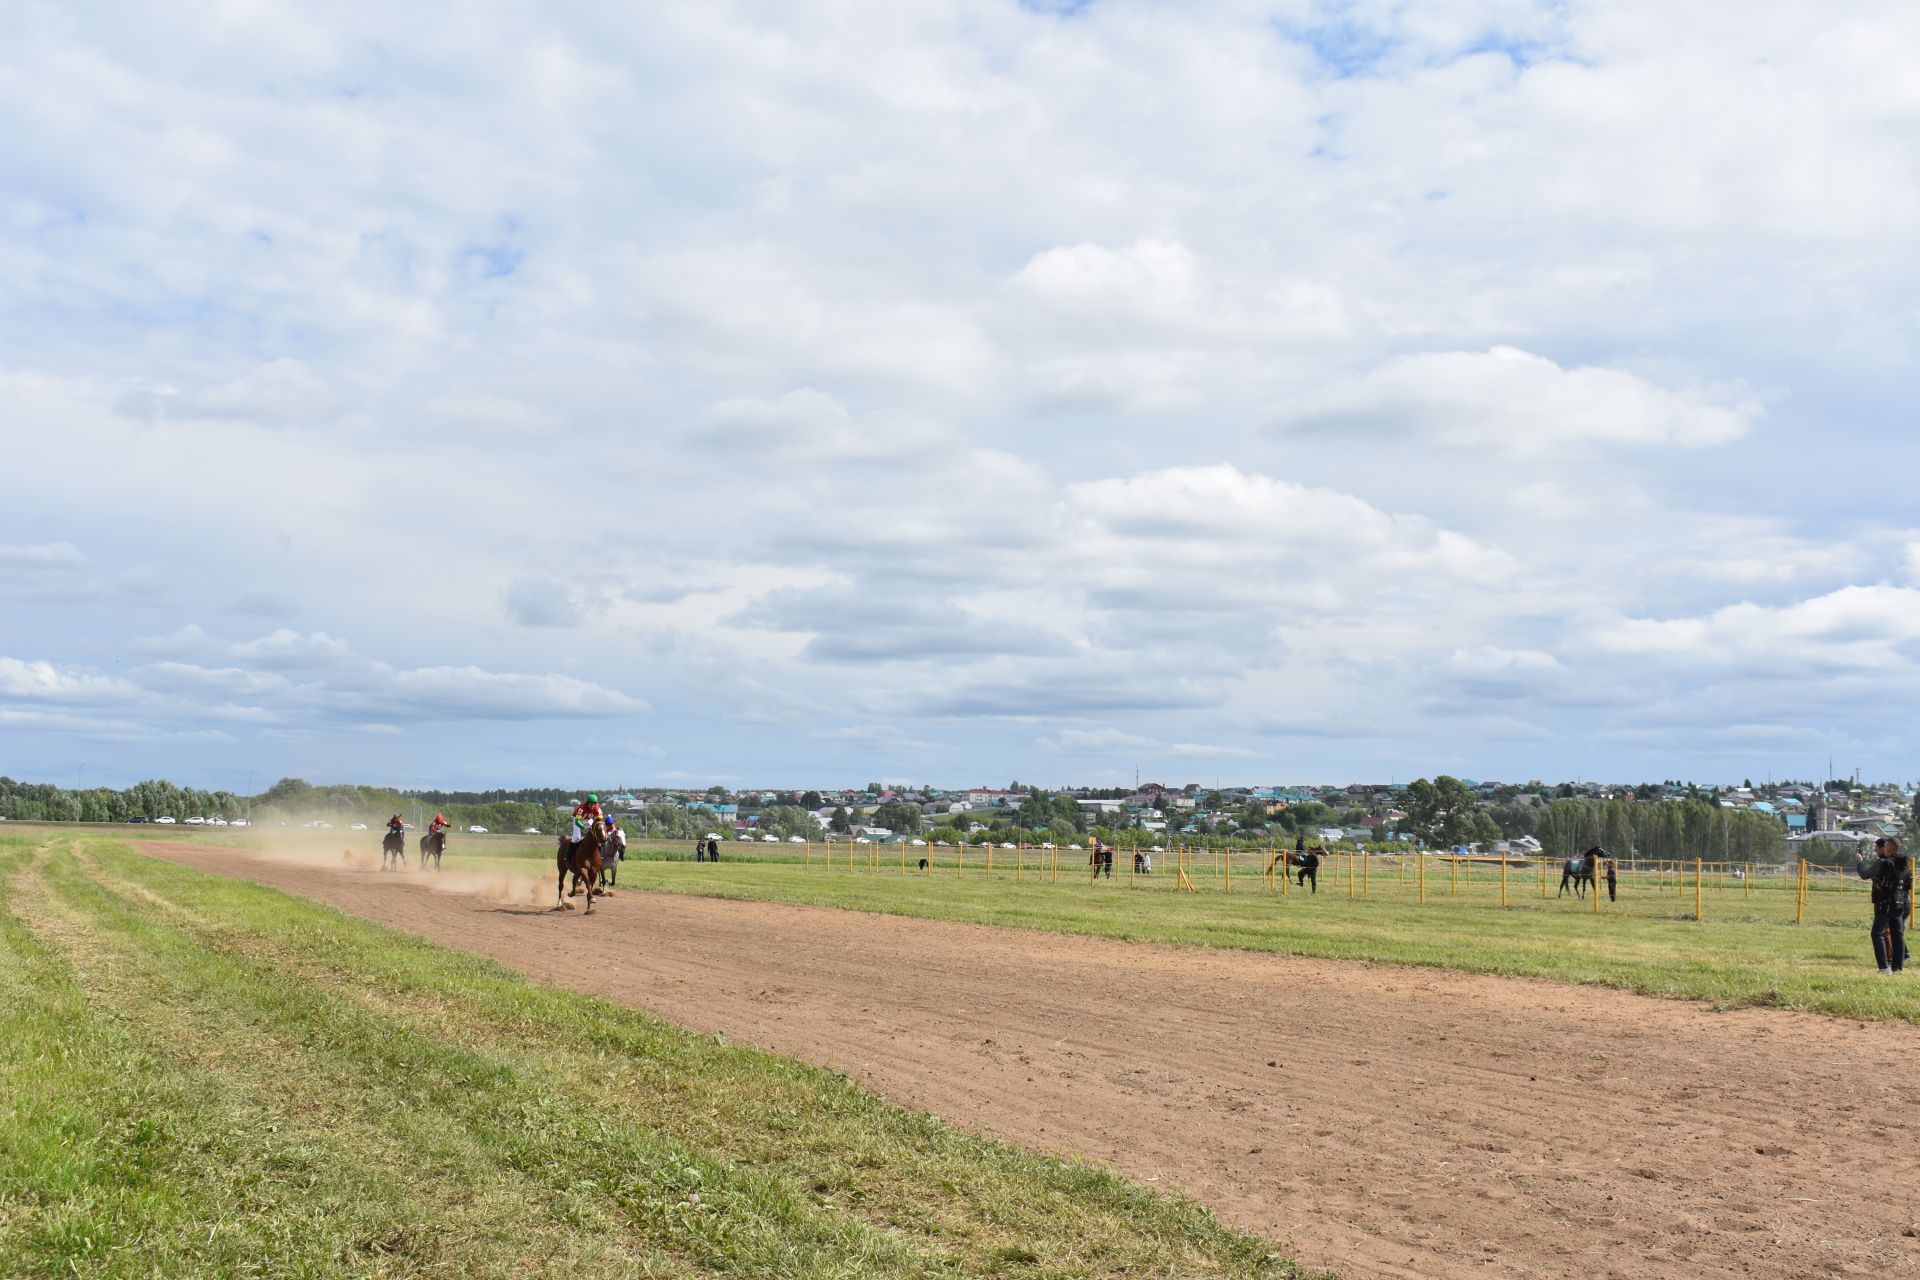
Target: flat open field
(1385, 1120)
(200, 1077)
(1747, 951)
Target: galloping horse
(1579, 872)
(1306, 861)
(582, 862)
(432, 845)
(610, 862)
(393, 850)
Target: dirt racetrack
(1382, 1121)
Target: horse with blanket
(1579, 871)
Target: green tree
(1443, 812)
(899, 816)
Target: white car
(216, 822)
(796, 840)
(359, 826)
(1073, 846)
(478, 831)
(1006, 844)
(196, 821)
(239, 822)
(165, 822)
(531, 831)
(1047, 845)
(918, 844)
(1158, 849)
(770, 838)
(324, 826)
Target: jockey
(438, 824)
(394, 824)
(585, 814)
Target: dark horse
(582, 862)
(1579, 871)
(432, 845)
(1303, 862)
(393, 850)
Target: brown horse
(582, 862)
(432, 845)
(1304, 862)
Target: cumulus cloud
(1194, 374)
(1511, 399)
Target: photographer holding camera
(1892, 877)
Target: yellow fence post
(1349, 876)
(1019, 859)
(1366, 861)
(1697, 913)
(1503, 880)
(1543, 875)
(809, 855)
(1453, 874)
(1747, 881)
(1800, 894)
(1421, 854)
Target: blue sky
(958, 392)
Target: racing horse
(1579, 872)
(582, 862)
(432, 845)
(610, 859)
(393, 850)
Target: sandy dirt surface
(1381, 1121)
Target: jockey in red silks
(585, 814)
(438, 824)
(394, 824)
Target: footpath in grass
(1648, 943)
(204, 1077)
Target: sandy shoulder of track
(1384, 1121)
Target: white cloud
(1182, 373)
(1510, 399)
(50, 683)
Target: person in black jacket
(1892, 877)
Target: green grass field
(1747, 951)
(203, 1077)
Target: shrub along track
(1387, 1121)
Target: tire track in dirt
(1381, 1120)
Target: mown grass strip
(451, 1076)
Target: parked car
(358, 826)
(796, 840)
(919, 844)
(240, 822)
(165, 822)
(129, 819)
(1006, 844)
(196, 821)
(1047, 845)
(478, 831)
(531, 831)
(770, 838)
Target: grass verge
(204, 1077)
